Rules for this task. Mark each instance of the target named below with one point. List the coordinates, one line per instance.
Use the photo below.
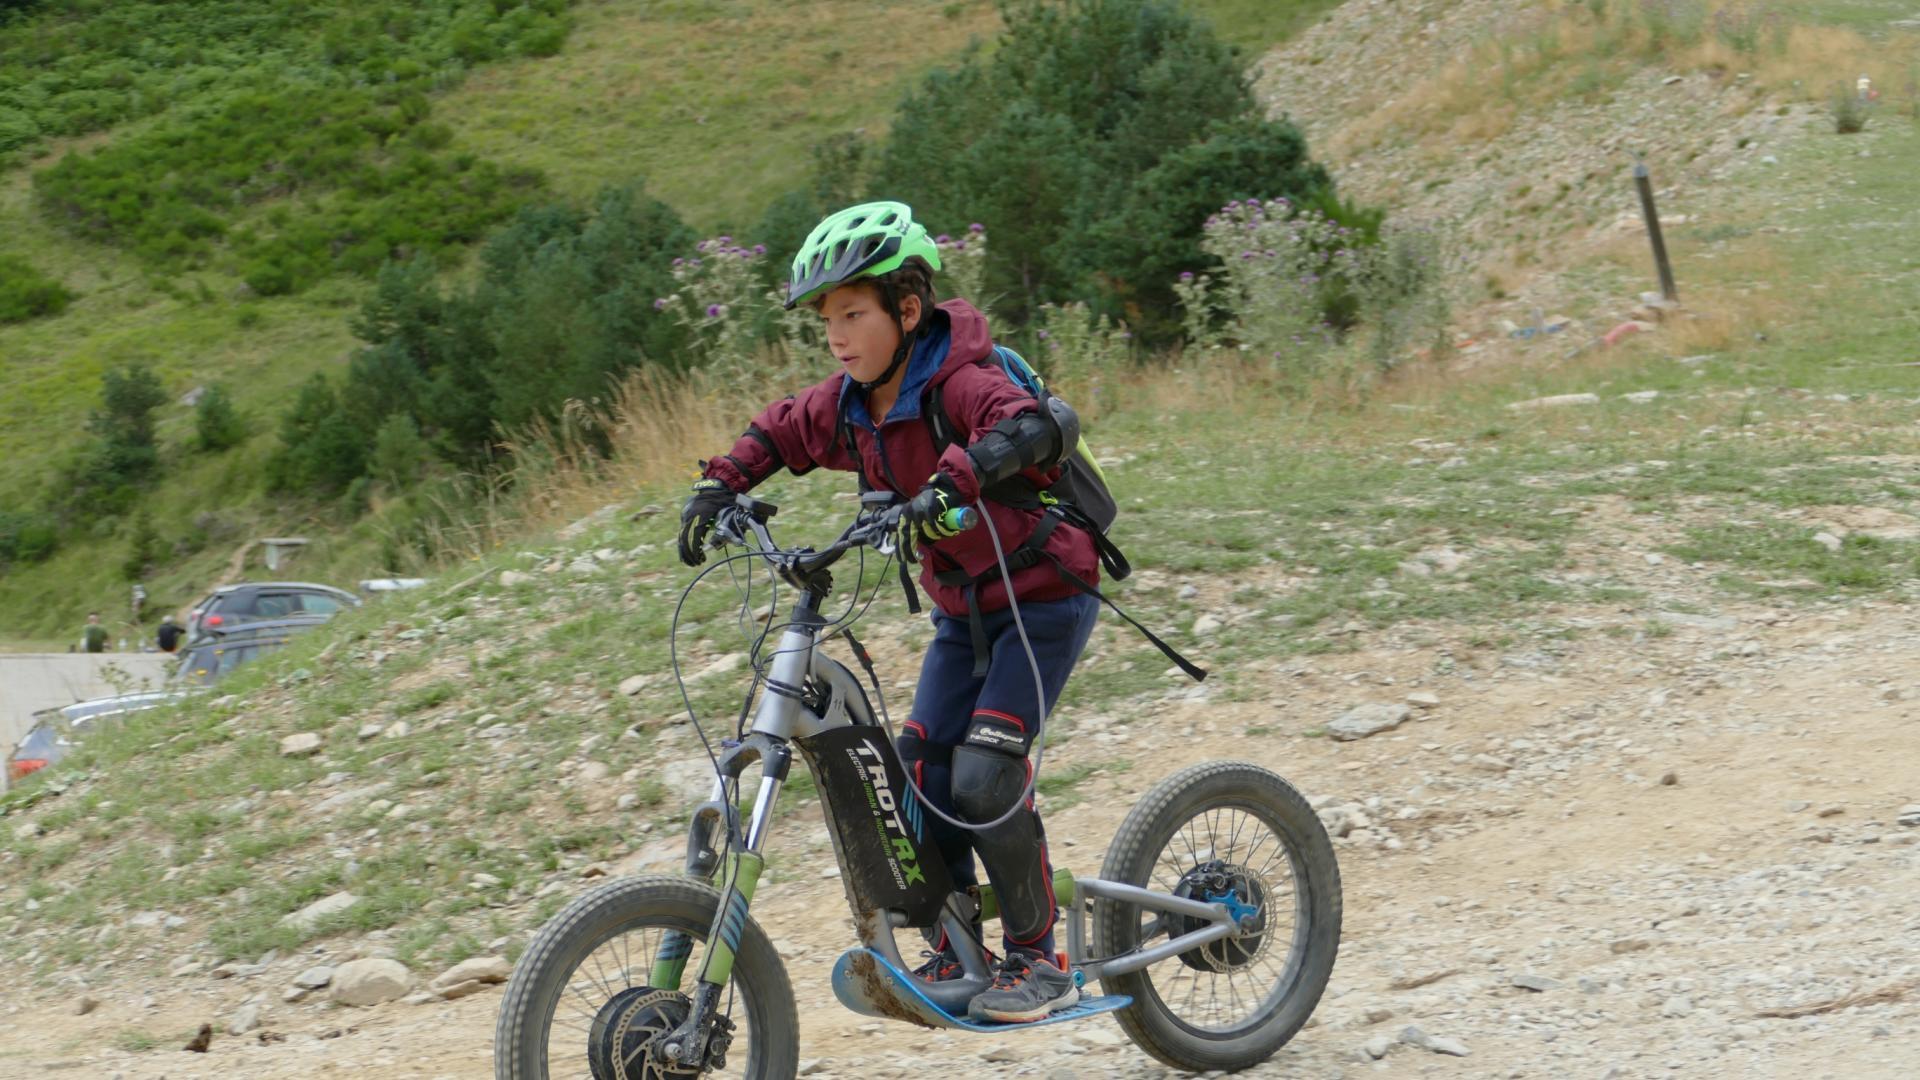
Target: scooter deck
(865, 982)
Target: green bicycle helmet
(861, 241)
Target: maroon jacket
(806, 431)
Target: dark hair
(913, 278)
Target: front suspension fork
(739, 876)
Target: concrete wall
(30, 682)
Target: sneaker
(941, 966)
(1026, 987)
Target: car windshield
(207, 664)
(37, 742)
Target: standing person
(169, 634)
(868, 272)
(93, 637)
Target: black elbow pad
(1029, 440)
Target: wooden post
(1660, 263)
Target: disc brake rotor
(625, 1041)
(1244, 895)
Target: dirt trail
(1519, 827)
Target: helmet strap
(892, 303)
(899, 357)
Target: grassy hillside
(1432, 515)
(716, 104)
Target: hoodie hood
(955, 337)
(968, 339)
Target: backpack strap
(844, 431)
(1028, 554)
(1195, 672)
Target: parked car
(203, 661)
(257, 600)
(56, 730)
(219, 649)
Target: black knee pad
(914, 750)
(986, 782)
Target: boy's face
(859, 332)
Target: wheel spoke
(609, 967)
(1232, 981)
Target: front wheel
(1234, 833)
(582, 1001)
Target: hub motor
(626, 1042)
(1244, 895)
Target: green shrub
(27, 294)
(89, 66)
(217, 425)
(321, 451)
(1094, 140)
(123, 425)
(398, 451)
(144, 548)
(1849, 111)
(171, 193)
(27, 536)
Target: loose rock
(314, 977)
(1365, 720)
(308, 916)
(1556, 401)
(304, 744)
(244, 1019)
(370, 982)
(471, 976)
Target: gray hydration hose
(1039, 694)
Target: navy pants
(979, 731)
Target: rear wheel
(580, 1006)
(1232, 833)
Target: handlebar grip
(960, 518)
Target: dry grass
(1542, 55)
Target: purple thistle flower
(1186, 275)
(679, 262)
(701, 246)
(943, 238)
(976, 227)
(744, 253)
(714, 311)
(1249, 254)
(726, 240)
(660, 304)
(960, 246)
(1043, 335)
(693, 262)
(759, 249)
